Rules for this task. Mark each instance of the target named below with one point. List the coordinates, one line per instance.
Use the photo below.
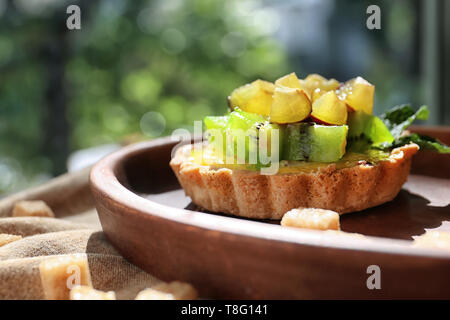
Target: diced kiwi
(216, 126)
(327, 142)
(300, 141)
(215, 122)
(248, 127)
(313, 142)
(363, 125)
(296, 143)
(239, 119)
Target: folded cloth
(75, 230)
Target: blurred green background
(63, 90)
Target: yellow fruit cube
(357, 94)
(290, 81)
(315, 81)
(289, 105)
(255, 97)
(329, 109)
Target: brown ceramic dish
(146, 216)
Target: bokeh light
(153, 124)
(173, 41)
(234, 44)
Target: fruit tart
(310, 142)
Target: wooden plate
(146, 216)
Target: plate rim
(103, 179)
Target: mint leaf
(424, 142)
(400, 117)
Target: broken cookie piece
(89, 293)
(175, 290)
(32, 208)
(433, 239)
(60, 274)
(8, 238)
(311, 218)
(152, 294)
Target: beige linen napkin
(75, 229)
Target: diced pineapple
(255, 97)
(289, 105)
(357, 94)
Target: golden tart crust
(252, 195)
